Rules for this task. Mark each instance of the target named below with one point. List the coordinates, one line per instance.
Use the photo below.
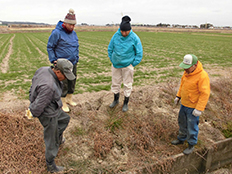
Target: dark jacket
(63, 45)
(45, 93)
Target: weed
(77, 131)
(114, 123)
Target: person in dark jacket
(63, 43)
(45, 104)
(125, 52)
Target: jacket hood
(59, 25)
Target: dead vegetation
(104, 140)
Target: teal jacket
(124, 51)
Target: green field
(162, 54)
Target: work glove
(176, 100)
(196, 112)
(28, 114)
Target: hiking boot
(53, 168)
(125, 104)
(116, 100)
(188, 150)
(176, 142)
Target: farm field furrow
(162, 54)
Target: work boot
(176, 142)
(65, 106)
(53, 168)
(125, 104)
(116, 100)
(69, 100)
(188, 150)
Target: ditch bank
(216, 156)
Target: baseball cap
(189, 60)
(66, 67)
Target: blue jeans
(188, 125)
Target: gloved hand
(28, 114)
(176, 100)
(196, 112)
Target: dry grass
(21, 144)
(104, 140)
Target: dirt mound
(104, 140)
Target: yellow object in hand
(28, 114)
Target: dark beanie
(125, 24)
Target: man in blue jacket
(63, 43)
(45, 104)
(125, 52)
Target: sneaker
(188, 150)
(176, 142)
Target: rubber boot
(65, 106)
(116, 100)
(125, 104)
(69, 100)
(53, 168)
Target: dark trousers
(69, 85)
(53, 129)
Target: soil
(117, 141)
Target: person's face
(60, 75)
(125, 33)
(191, 69)
(69, 27)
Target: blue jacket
(45, 93)
(124, 51)
(63, 45)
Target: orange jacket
(194, 89)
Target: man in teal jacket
(63, 43)
(125, 52)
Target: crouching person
(194, 92)
(46, 105)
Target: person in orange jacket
(194, 92)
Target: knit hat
(189, 60)
(66, 67)
(125, 24)
(70, 18)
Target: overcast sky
(102, 12)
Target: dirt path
(4, 64)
